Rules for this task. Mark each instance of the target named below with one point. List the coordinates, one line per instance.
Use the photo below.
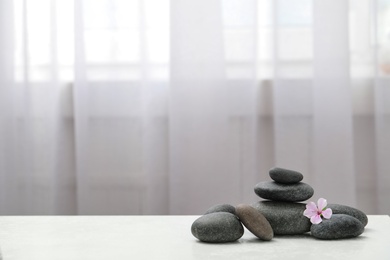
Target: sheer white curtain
(169, 107)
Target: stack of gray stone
(282, 208)
(284, 211)
(281, 213)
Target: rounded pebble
(255, 222)
(221, 208)
(284, 192)
(218, 227)
(285, 176)
(286, 218)
(337, 227)
(342, 209)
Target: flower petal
(316, 219)
(327, 213)
(322, 204)
(311, 206)
(309, 213)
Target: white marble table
(169, 237)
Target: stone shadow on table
(237, 242)
(255, 240)
(309, 236)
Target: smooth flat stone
(218, 227)
(286, 218)
(284, 192)
(337, 227)
(255, 222)
(342, 209)
(221, 208)
(285, 176)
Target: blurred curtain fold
(172, 106)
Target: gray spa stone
(254, 221)
(342, 209)
(284, 192)
(218, 227)
(286, 218)
(221, 208)
(285, 176)
(337, 227)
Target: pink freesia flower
(314, 213)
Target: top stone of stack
(285, 176)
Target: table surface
(169, 237)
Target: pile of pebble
(281, 213)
